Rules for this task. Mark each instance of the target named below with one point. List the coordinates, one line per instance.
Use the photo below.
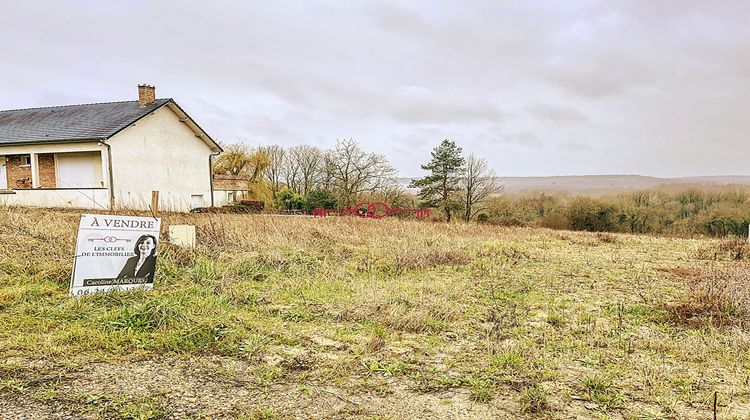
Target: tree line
(678, 211)
(304, 177)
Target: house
(230, 189)
(106, 156)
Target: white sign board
(114, 253)
(182, 235)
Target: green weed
(533, 399)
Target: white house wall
(221, 198)
(160, 153)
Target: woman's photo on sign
(143, 264)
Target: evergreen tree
(290, 200)
(320, 199)
(437, 189)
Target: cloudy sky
(536, 87)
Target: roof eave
(197, 129)
(55, 141)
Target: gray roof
(71, 123)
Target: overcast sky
(536, 87)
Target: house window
(230, 198)
(25, 160)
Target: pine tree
(437, 189)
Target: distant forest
(682, 211)
(303, 178)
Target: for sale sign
(114, 253)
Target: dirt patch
(217, 387)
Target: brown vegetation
(677, 212)
(344, 317)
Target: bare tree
(325, 171)
(478, 183)
(355, 171)
(306, 160)
(396, 196)
(291, 173)
(275, 167)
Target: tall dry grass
(509, 318)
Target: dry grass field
(292, 317)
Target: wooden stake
(155, 203)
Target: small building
(106, 156)
(230, 189)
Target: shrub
(253, 205)
(723, 291)
(588, 214)
(320, 199)
(555, 220)
(735, 247)
(290, 200)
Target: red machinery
(372, 210)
